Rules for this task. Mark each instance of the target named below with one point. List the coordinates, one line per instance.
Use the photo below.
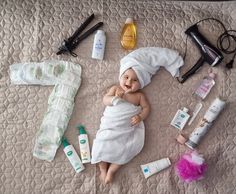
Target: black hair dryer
(209, 53)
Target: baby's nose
(129, 81)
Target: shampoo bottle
(180, 119)
(72, 156)
(129, 34)
(205, 86)
(84, 145)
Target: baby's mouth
(128, 87)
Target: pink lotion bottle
(205, 86)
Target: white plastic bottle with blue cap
(72, 156)
(99, 45)
(84, 145)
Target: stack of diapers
(66, 77)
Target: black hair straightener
(71, 43)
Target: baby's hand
(136, 119)
(119, 92)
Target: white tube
(155, 167)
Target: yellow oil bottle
(129, 34)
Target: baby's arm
(145, 110)
(107, 99)
(145, 107)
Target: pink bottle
(205, 86)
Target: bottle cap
(164, 163)
(100, 32)
(185, 109)
(212, 75)
(191, 144)
(81, 129)
(168, 161)
(181, 139)
(65, 142)
(129, 20)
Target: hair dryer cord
(226, 42)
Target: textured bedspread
(32, 30)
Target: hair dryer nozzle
(193, 70)
(192, 29)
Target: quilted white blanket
(33, 30)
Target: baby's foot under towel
(117, 141)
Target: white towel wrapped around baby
(117, 141)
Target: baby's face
(129, 81)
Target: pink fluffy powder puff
(191, 167)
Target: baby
(129, 91)
(121, 134)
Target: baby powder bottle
(129, 34)
(72, 156)
(205, 86)
(99, 45)
(84, 145)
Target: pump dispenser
(84, 144)
(65, 142)
(129, 34)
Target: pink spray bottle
(205, 86)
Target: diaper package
(66, 77)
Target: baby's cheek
(137, 86)
(121, 82)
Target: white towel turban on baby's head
(146, 61)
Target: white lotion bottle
(180, 119)
(72, 156)
(99, 45)
(84, 145)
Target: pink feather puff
(191, 167)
